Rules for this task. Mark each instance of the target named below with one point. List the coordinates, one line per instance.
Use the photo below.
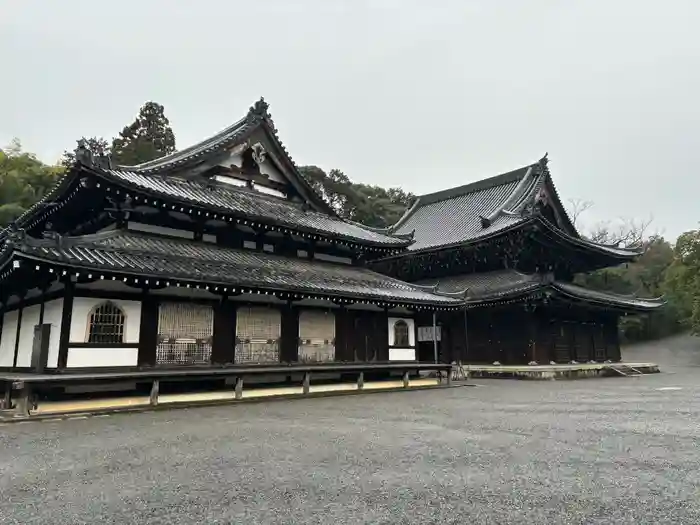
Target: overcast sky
(394, 93)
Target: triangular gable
(249, 149)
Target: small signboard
(425, 333)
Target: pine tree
(149, 137)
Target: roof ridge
(518, 193)
(256, 113)
(477, 185)
(168, 159)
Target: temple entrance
(583, 342)
(316, 336)
(562, 340)
(599, 350)
(258, 331)
(185, 333)
(369, 340)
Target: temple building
(223, 255)
(507, 248)
(217, 255)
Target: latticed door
(258, 332)
(563, 341)
(583, 341)
(316, 336)
(185, 333)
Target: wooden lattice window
(401, 334)
(106, 324)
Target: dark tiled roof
(120, 251)
(252, 205)
(196, 151)
(605, 297)
(490, 286)
(486, 284)
(454, 216)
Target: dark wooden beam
(17, 332)
(66, 317)
(224, 340)
(148, 330)
(289, 337)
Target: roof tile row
(174, 258)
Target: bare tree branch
(576, 208)
(626, 232)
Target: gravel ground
(591, 451)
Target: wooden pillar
(289, 338)
(381, 339)
(148, 335)
(343, 347)
(224, 340)
(613, 339)
(42, 306)
(435, 342)
(2, 319)
(41, 335)
(18, 331)
(533, 333)
(66, 316)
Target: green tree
(23, 181)
(148, 137)
(364, 203)
(682, 280)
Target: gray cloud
(391, 92)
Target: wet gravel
(591, 451)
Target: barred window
(106, 324)
(401, 334)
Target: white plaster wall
(411, 330)
(82, 306)
(266, 168)
(269, 191)
(53, 310)
(269, 169)
(7, 341)
(402, 354)
(30, 318)
(95, 357)
(231, 181)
